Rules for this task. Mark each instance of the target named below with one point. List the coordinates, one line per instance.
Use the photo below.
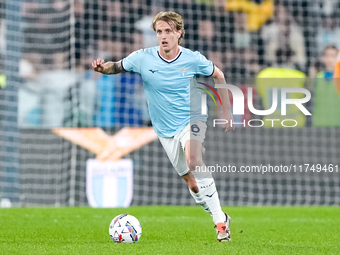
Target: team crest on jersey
(183, 70)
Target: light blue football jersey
(173, 97)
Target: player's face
(167, 36)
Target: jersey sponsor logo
(183, 70)
(153, 71)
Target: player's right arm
(107, 68)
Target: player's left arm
(218, 77)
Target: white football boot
(222, 230)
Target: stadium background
(46, 50)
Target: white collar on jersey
(172, 60)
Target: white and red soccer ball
(125, 228)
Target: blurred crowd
(294, 36)
(58, 36)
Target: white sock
(207, 196)
(199, 200)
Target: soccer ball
(125, 228)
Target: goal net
(46, 82)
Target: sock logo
(211, 194)
(207, 186)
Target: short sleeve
(132, 62)
(204, 67)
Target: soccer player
(174, 102)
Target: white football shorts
(175, 146)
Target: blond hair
(174, 20)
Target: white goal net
(46, 81)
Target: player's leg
(175, 151)
(174, 148)
(204, 192)
(194, 191)
(206, 189)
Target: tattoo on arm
(114, 68)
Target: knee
(193, 187)
(194, 162)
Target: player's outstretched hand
(98, 65)
(227, 115)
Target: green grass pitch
(171, 230)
